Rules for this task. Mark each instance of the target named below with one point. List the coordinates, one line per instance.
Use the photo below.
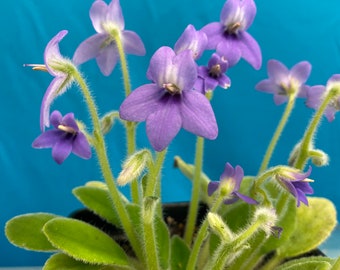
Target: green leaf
(25, 231)
(97, 199)
(314, 223)
(307, 263)
(62, 261)
(84, 242)
(180, 253)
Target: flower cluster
(177, 96)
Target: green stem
(153, 177)
(311, 130)
(195, 193)
(130, 127)
(201, 235)
(278, 131)
(99, 145)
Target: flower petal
(47, 139)
(266, 85)
(183, 72)
(69, 121)
(159, 65)
(246, 198)
(250, 50)
(115, 14)
(56, 118)
(132, 43)
(107, 59)
(98, 13)
(314, 95)
(212, 187)
(277, 71)
(89, 48)
(81, 147)
(163, 125)
(228, 172)
(62, 149)
(214, 32)
(52, 52)
(57, 87)
(301, 197)
(142, 102)
(301, 71)
(197, 115)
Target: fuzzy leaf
(314, 224)
(25, 231)
(84, 242)
(98, 200)
(62, 261)
(307, 263)
(180, 253)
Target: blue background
(287, 30)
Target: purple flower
(283, 82)
(61, 69)
(108, 21)
(213, 75)
(296, 183)
(191, 39)
(231, 180)
(315, 95)
(64, 138)
(231, 32)
(169, 103)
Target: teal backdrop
(287, 30)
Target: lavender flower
(61, 69)
(108, 21)
(231, 180)
(64, 138)
(191, 39)
(231, 32)
(283, 82)
(169, 103)
(213, 75)
(315, 95)
(296, 183)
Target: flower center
(335, 104)
(215, 71)
(289, 88)
(233, 28)
(171, 88)
(67, 129)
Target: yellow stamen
(67, 129)
(39, 67)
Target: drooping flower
(230, 34)
(230, 181)
(191, 39)
(316, 94)
(61, 69)
(169, 103)
(297, 183)
(283, 82)
(64, 138)
(213, 75)
(108, 21)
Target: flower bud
(108, 120)
(267, 219)
(219, 227)
(319, 157)
(133, 167)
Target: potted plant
(264, 221)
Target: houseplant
(237, 231)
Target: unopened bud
(219, 227)
(108, 120)
(133, 167)
(319, 157)
(267, 219)
(149, 207)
